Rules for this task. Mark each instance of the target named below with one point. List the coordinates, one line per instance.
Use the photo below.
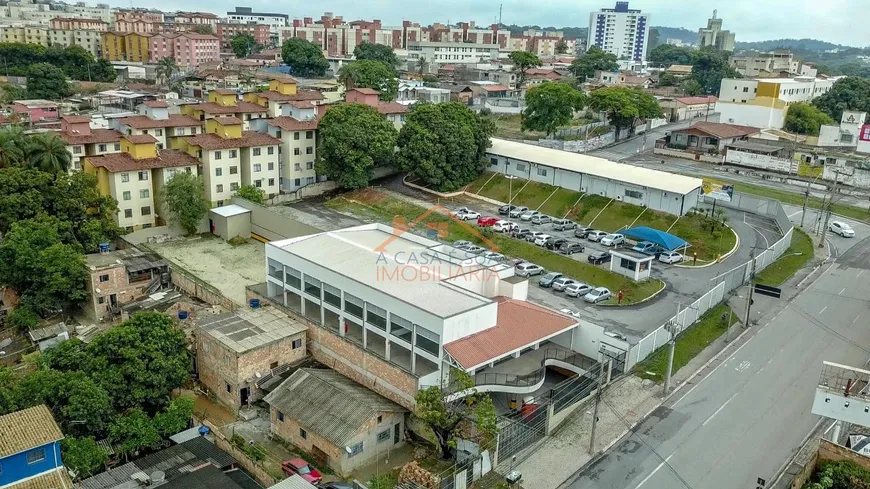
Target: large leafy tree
(40, 258)
(133, 431)
(47, 81)
(370, 74)
(354, 139)
(251, 193)
(691, 87)
(184, 195)
(304, 58)
(668, 54)
(624, 106)
(175, 418)
(444, 144)
(13, 149)
(376, 52)
(850, 93)
(709, 68)
(595, 59)
(561, 47)
(523, 60)
(243, 45)
(447, 418)
(550, 106)
(83, 456)
(78, 404)
(166, 67)
(803, 118)
(47, 152)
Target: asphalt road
(745, 418)
(640, 143)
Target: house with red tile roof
(706, 137)
(226, 102)
(281, 91)
(82, 140)
(393, 111)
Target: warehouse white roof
(230, 210)
(594, 166)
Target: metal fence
(723, 284)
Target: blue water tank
(182, 315)
(255, 303)
(104, 247)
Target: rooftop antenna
(714, 13)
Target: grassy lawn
(689, 344)
(780, 270)
(508, 126)
(497, 187)
(560, 203)
(379, 207)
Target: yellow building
(126, 46)
(135, 175)
(26, 34)
(223, 102)
(281, 91)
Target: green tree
(523, 60)
(668, 54)
(47, 152)
(184, 195)
(803, 118)
(103, 71)
(422, 66)
(166, 67)
(709, 68)
(77, 403)
(850, 93)
(23, 318)
(243, 45)
(447, 418)
(376, 52)
(354, 139)
(550, 106)
(34, 260)
(8, 388)
(444, 144)
(175, 418)
(83, 456)
(691, 87)
(370, 74)
(595, 59)
(12, 146)
(668, 80)
(624, 106)
(12, 93)
(251, 193)
(140, 361)
(47, 81)
(133, 432)
(304, 58)
(561, 47)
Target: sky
(837, 21)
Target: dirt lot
(227, 267)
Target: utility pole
(595, 410)
(671, 348)
(830, 205)
(749, 296)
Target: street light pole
(749, 296)
(595, 410)
(830, 206)
(671, 349)
(807, 199)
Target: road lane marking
(823, 310)
(855, 320)
(841, 292)
(720, 409)
(655, 470)
(794, 214)
(829, 427)
(859, 273)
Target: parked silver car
(578, 289)
(518, 211)
(560, 283)
(541, 219)
(595, 235)
(564, 225)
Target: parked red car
(301, 467)
(486, 221)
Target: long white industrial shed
(658, 190)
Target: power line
(824, 327)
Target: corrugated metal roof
(206, 450)
(293, 482)
(594, 166)
(209, 477)
(248, 329)
(328, 403)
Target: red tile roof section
(96, 136)
(494, 88)
(156, 104)
(366, 91)
(239, 108)
(228, 119)
(145, 122)
(248, 139)
(291, 124)
(140, 138)
(391, 108)
(518, 324)
(166, 158)
(300, 95)
(721, 130)
(76, 119)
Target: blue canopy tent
(666, 240)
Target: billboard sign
(717, 190)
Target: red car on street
(486, 221)
(301, 467)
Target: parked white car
(492, 255)
(527, 216)
(518, 211)
(540, 240)
(578, 289)
(670, 257)
(597, 295)
(841, 228)
(613, 240)
(528, 269)
(462, 244)
(466, 214)
(595, 235)
(505, 226)
(561, 283)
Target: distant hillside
(685, 35)
(812, 45)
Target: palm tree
(421, 65)
(345, 76)
(47, 152)
(12, 146)
(165, 68)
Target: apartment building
(190, 19)
(30, 34)
(545, 44)
(452, 52)
(87, 33)
(155, 120)
(232, 157)
(32, 13)
(297, 132)
(188, 48)
(764, 102)
(127, 46)
(246, 15)
(282, 90)
(67, 23)
(621, 31)
(83, 141)
(771, 65)
(135, 175)
(225, 102)
(260, 32)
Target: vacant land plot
(707, 237)
(227, 267)
(379, 207)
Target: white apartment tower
(620, 31)
(715, 37)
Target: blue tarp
(666, 240)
